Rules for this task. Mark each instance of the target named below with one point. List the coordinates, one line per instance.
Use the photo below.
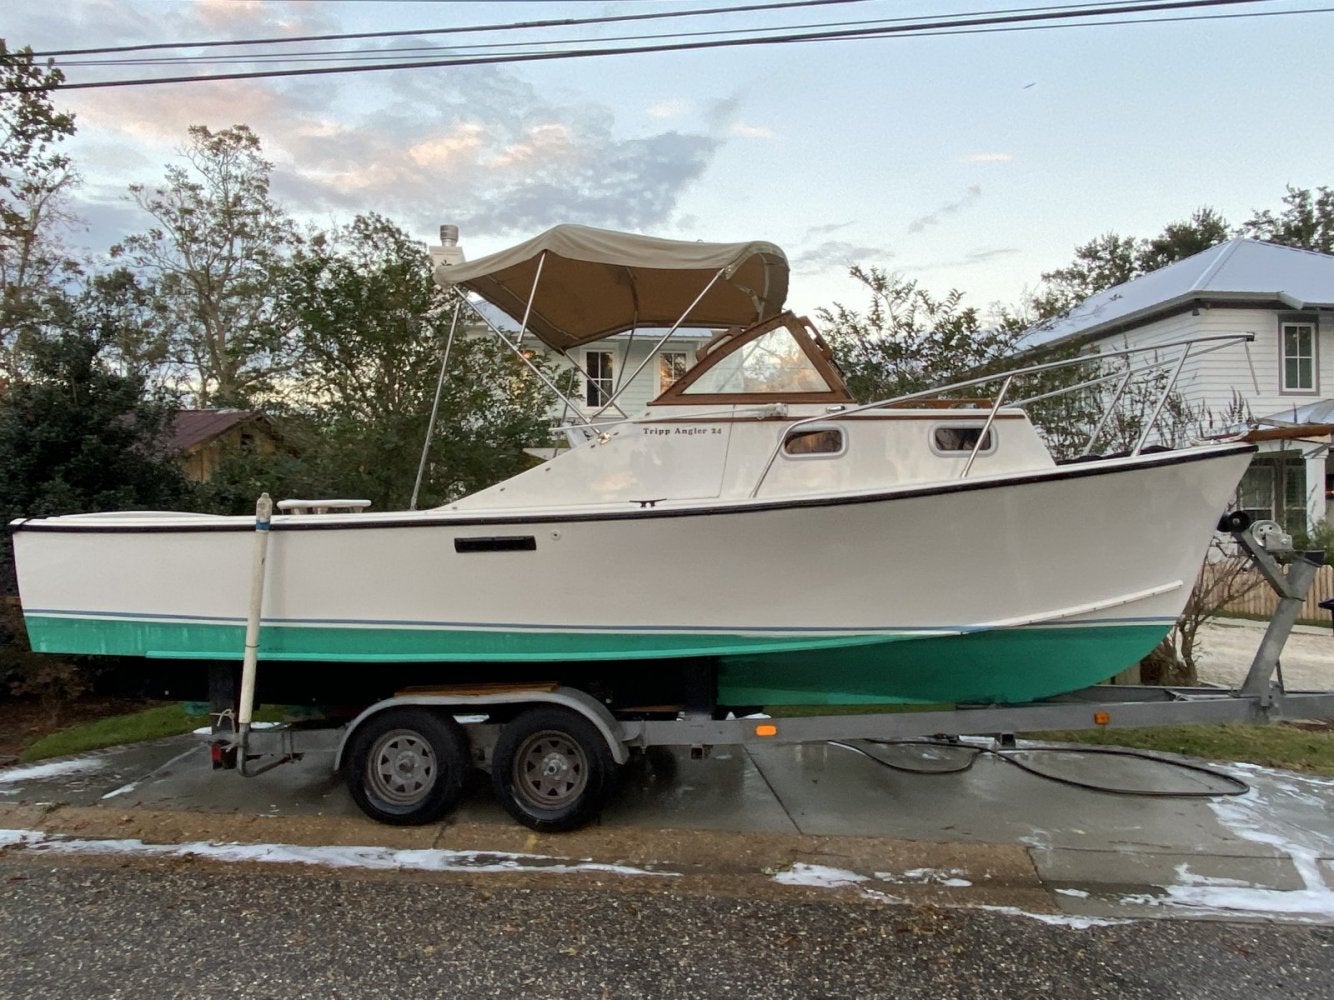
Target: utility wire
(385, 53)
(555, 23)
(949, 26)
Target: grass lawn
(136, 727)
(1291, 747)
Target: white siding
(1253, 371)
(626, 357)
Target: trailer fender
(571, 698)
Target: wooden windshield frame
(728, 342)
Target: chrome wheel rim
(550, 770)
(401, 768)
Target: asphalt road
(94, 927)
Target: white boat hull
(1000, 589)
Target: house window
(598, 385)
(1255, 494)
(1274, 488)
(671, 366)
(1298, 345)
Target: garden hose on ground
(1234, 785)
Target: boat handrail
(1188, 347)
(323, 506)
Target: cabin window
(598, 384)
(671, 366)
(1297, 339)
(809, 441)
(773, 362)
(951, 439)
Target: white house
(1285, 377)
(627, 370)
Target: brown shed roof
(194, 427)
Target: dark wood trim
(729, 342)
(933, 416)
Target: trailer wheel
(406, 766)
(552, 769)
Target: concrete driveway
(817, 818)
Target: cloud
(215, 14)
(743, 131)
(944, 211)
(987, 158)
(161, 115)
(722, 113)
(837, 254)
(667, 109)
(971, 258)
(106, 23)
(484, 150)
(477, 147)
(982, 256)
(824, 230)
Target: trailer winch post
(1291, 586)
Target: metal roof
(1236, 271)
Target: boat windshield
(778, 360)
(772, 363)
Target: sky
(963, 161)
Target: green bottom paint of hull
(1012, 665)
(1001, 666)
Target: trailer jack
(231, 750)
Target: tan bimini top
(595, 283)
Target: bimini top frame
(575, 285)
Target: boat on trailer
(755, 536)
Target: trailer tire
(406, 766)
(552, 769)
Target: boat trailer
(552, 750)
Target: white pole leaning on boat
(435, 406)
(263, 517)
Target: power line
(384, 53)
(949, 26)
(554, 23)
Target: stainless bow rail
(1188, 349)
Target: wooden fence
(1261, 599)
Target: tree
(1307, 221)
(213, 258)
(1111, 259)
(137, 343)
(371, 324)
(34, 176)
(1179, 240)
(907, 339)
(75, 436)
